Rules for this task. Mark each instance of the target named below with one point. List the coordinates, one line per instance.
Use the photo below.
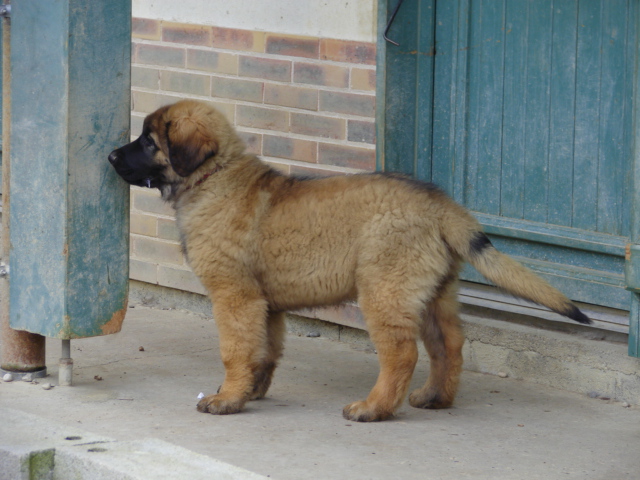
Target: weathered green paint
(532, 127)
(69, 211)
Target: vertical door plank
(586, 141)
(562, 122)
(514, 111)
(536, 92)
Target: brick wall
(304, 104)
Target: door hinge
(632, 267)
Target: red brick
(317, 74)
(265, 68)
(145, 28)
(318, 126)
(346, 156)
(290, 96)
(186, 33)
(348, 51)
(234, 39)
(291, 148)
(293, 45)
(258, 117)
(348, 103)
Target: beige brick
(361, 131)
(348, 51)
(258, 117)
(160, 55)
(363, 79)
(318, 126)
(293, 45)
(346, 156)
(318, 74)
(318, 171)
(215, 62)
(145, 28)
(146, 248)
(291, 148)
(136, 125)
(168, 230)
(234, 39)
(265, 68)
(227, 109)
(253, 141)
(236, 89)
(143, 271)
(149, 201)
(282, 167)
(290, 96)
(186, 33)
(180, 279)
(348, 103)
(145, 77)
(147, 102)
(189, 83)
(143, 224)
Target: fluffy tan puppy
(263, 243)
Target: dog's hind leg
(242, 329)
(394, 332)
(442, 336)
(276, 330)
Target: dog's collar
(204, 177)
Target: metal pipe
(22, 352)
(65, 368)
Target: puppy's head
(178, 142)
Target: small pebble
(503, 374)
(313, 334)
(7, 377)
(28, 378)
(47, 386)
(141, 349)
(626, 405)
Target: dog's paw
(363, 412)
(220, 405)
(429, 400)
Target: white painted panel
(339, 19)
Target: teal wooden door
(523, 110)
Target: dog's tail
(508, 274)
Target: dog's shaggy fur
(263, 243)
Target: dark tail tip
(574, 313)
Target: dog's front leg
(242, 328)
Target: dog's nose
(114, 157)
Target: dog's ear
(189, 144)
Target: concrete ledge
(55, 451)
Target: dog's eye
(147, 142)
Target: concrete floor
(499, 428)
